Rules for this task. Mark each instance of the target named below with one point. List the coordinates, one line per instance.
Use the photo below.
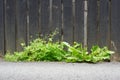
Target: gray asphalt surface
(59, 71)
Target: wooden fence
(89, 22)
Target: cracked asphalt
(59, 71)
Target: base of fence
(115, 57)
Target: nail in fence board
(33, 19)
(115, 28)
(103, 35)
(67, 21)
(45, 7)
(10, 25)
(21, 18)
(1, 28)
(92, 23)
(79, 21)
(56, 18)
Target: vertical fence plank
(45, 17)
(10, 25)
(104, 23)
(92, 23)
(56, 17)
(33, 19)
(21, 19)
(68, 23)
(115, 26)
(1, 27)
(79, 21)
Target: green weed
(44, 49)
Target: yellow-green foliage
(47, 50)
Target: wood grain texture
(103, 35)
(45, 6)
(115, 26)
(79, 21)
(68, 22)
(10, 36)
(1, 27)
(56, 18)
(21, 18)
(33, 19)
(92, 23)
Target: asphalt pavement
(59, 71)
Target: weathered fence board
(45, 6)
(103, 34)
(33, 20)
(67, 21)
(56, 18)
(115, 28)
(92, 23)
(21, 25)
(1, 28)
(10, 25)
(79, 21)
